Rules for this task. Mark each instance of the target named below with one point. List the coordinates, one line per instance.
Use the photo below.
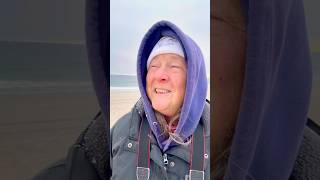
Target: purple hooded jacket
(196, 86)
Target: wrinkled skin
(228, 44)
(166, 83)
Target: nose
(162, 75)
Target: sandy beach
(37, 129)
(121, 102)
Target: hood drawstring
(168, 129)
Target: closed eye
(175, 66)
(154, 66)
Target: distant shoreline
(128, 88)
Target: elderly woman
(166, 135)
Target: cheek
(181, 83)
(149, 77)
(149, 82)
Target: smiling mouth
(162, 91)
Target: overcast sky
(62, 21)
(131, 19)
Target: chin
(160, 108)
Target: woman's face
(166, 83)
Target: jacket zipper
(165, 158)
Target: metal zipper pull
(165, 159)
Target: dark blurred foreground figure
(89, 158)
(262, 83)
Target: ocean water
(120, 81)
(51, 68)
(33, 68)
(43, 62)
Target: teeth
(161, 91)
